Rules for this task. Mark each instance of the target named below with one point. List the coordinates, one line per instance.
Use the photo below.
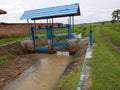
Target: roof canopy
(2, 12)
(52, 12)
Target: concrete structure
(51, 13)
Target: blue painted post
(69, 29)
(73, 25)
(91, 42)
(69, 32)
(47, 30)
(33, 37)
(49, 36)
(70, 38)
(52, 29)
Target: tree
(113, 22)
(116, 15)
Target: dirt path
(117, 48)
(43, 75)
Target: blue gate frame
(50, 13)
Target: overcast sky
(91, 10)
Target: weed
(4, 59)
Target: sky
(91, 10)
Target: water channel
(41, 76)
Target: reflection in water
(41, 76)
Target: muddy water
(41, 76)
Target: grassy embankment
(70, 81)
(6, 40)
(8, 55)
(105, 63)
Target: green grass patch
(69, 81)
(105, 63)
(114, 34)
(83, 29)
(11, 39)
(4, 59)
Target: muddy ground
(19, 62)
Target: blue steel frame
(51, 13)
(91, 42)
(70, 28)
(33, 37)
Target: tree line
(116, 15)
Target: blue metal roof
(52, 12)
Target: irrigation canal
(41, 76)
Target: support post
(70, 38)
(29, 33)
(35, 23)
(90, 36)
(52, 29)
(69, 32)
(73, 25)
(70, 20)
(49, 37)
(52, 21)
(33, 37)
(47, 29)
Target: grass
(70, 80)
(4, 59)
(114, 34)
(11, 39)
(105, 63)
(84, 29)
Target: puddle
(41, 76)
